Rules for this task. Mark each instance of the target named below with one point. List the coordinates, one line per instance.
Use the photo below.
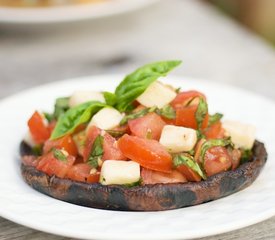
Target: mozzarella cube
(119, 172)
(242, 135)
(28, 139)
(79, 97)
(156, 94)
(178, 139)
(106, 119)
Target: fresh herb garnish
(134, 184)
(189, 162)
(178, 90)
(134, 84)
(61, 106)
(214, 118)
(115, 133)
(74, 117)
(110, 98)
(246, 155)
(37, 150)
(58, 154)
(96, 152)
(167, 112)
(201, 112)
(50, 117)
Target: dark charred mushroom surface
(153, 197)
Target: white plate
(23, 205)
(69, 13)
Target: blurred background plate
(68, 13)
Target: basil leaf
(96, 152)
(214, 118)
(37, 149)
(167, 112)
(58, 154)
(134, 84)
(49, 116)
(201, 112)
(135, 115)
(110, 98)
(246, 155)
(74, 117)
(61, 106)
(213, 143)
(134, 184)
(189, 162)
(116, 133)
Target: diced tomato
(184, 97)
(215, 131)
(29, 160)
(152, 177)
(81, 172)
(235, 155)
(53, 166)
(148, 153)
(38, 128)
(110, 149)
(65, 143)
(186, 117)
(148, 126)
(216, 160)
(190, 175)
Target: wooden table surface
(211, 46)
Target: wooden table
(211, 46)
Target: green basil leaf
(189, 162)
(110, 98)
(214, 118)
(61, 106)
(116, 133)
(246, 155)
(96, 152)
(49, 116)
(214, 143)
(136, 83)
(134, 184)
(135, 115)
(201, 112)
(74, 117)
(37, 149)
(58, 154)
(167, 112)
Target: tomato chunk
(184, 97)
(216, 160)
(53, 166)
(110, 149)
(153, 177)
(65, 143)
(215, 131)
(148, 126)
(190, 175)
(81, 172)
(148, 153)
(38, 128)
(186, 117)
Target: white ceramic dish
(69, 13)
(23, 205)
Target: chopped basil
(214, 118)
(189, 162)
(214, 143)
(178, 90)
(58, 154)
(115, 133)
(167, 112)
(110, 98)
(61, 106)
(246, 155)
(96, 152)
(201, 112)
(37, 150)
(50, 117)
(134, 184)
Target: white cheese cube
(119, 172)
(106, 119)
(178, 139)
(242, 135)
(156, 94)
(79, 97)
(29, 139)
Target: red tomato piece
(110, 149)
(216, 160)
(215, 131)
(38, 128)
(184, 97)
(186, 117)
(148, 153)
(81, 172)
(52, 166)
(153, 177)
(148, 126)
(190, 175)
(66, 143)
